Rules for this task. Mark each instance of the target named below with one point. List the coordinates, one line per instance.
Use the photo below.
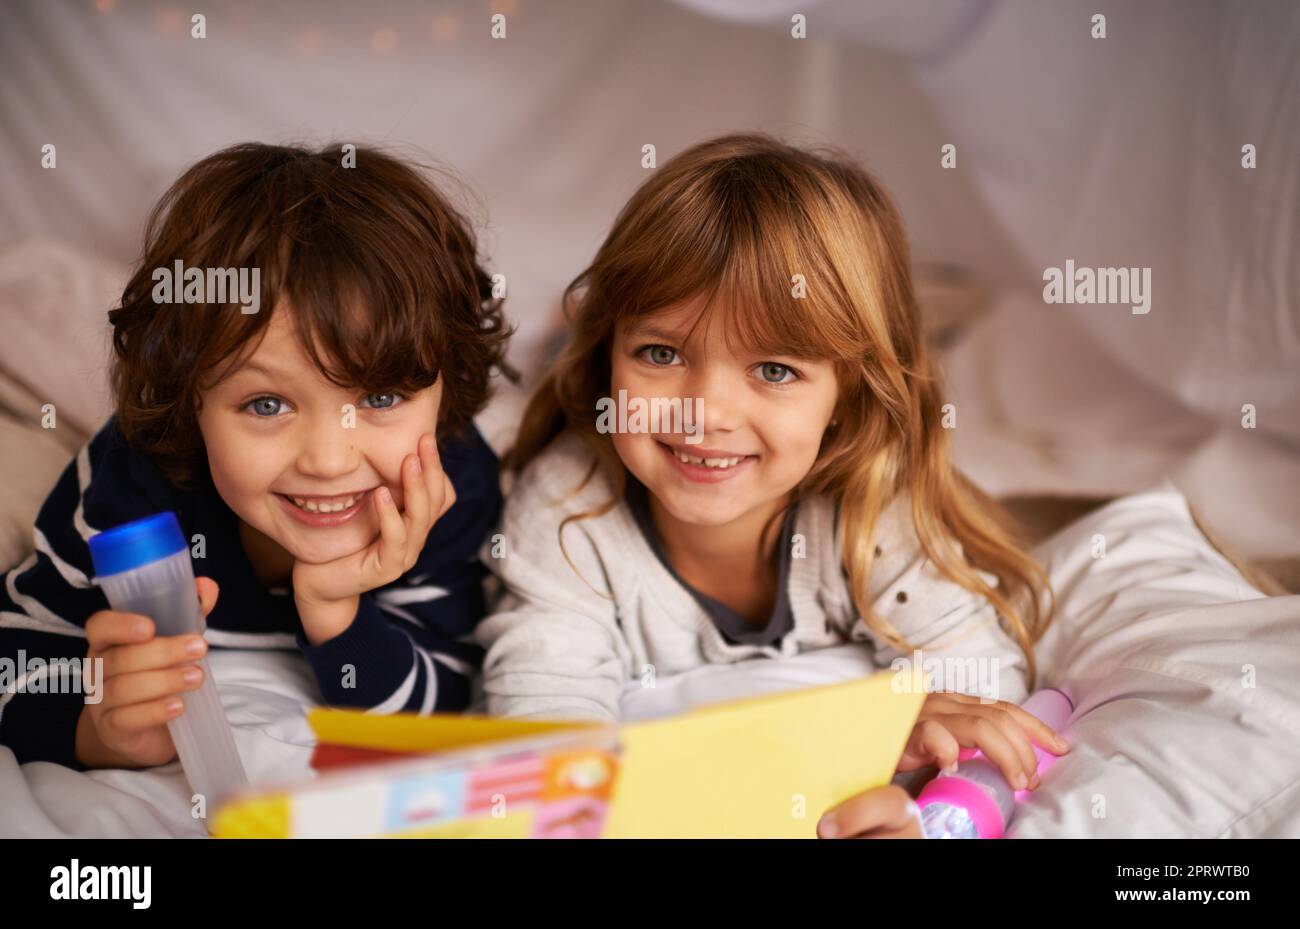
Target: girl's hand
(880, 813)
(140, 689)
(327, 594)
(951, 722)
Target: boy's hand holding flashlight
(144, 675)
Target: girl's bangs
(756, 272)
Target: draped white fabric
(1117, 152)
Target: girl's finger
(909, 832)
(392, 533)
(1000, 715)
(1041, 733)
(882, 812)
(990, 738)
(932, 743)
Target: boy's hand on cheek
(327, 595)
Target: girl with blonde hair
(802, 498)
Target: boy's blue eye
(259, 405)
(388, 401)
(660, 355)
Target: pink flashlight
(975, 801)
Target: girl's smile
(707, 465)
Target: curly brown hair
(378, 268)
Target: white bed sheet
(1154, 641)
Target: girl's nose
(718, 399)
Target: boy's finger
(430, 460)
(441, 493)
(208, 592)
(108, 628)
(142, 686)
(161, 652)
(139, 716)
(415, 487)
(448, 497)
(392, 532)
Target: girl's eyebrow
(650, 332)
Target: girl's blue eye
(259, 405)
(659, 355)
(388, 401)
(773, 373)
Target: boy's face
(762, 419)
(277, 428)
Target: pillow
(54, 301)
(34, 458)
(1186, 683)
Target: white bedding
(1151, 641)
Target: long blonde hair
(735, 220)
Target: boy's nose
(329, 451)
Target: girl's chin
(690, 512)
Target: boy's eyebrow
(256, 368)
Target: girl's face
(277, 428)
(761, 421)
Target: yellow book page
(407, 732)
(764, 766)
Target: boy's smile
(325, 511)
(298, 458)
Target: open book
(765, 766)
